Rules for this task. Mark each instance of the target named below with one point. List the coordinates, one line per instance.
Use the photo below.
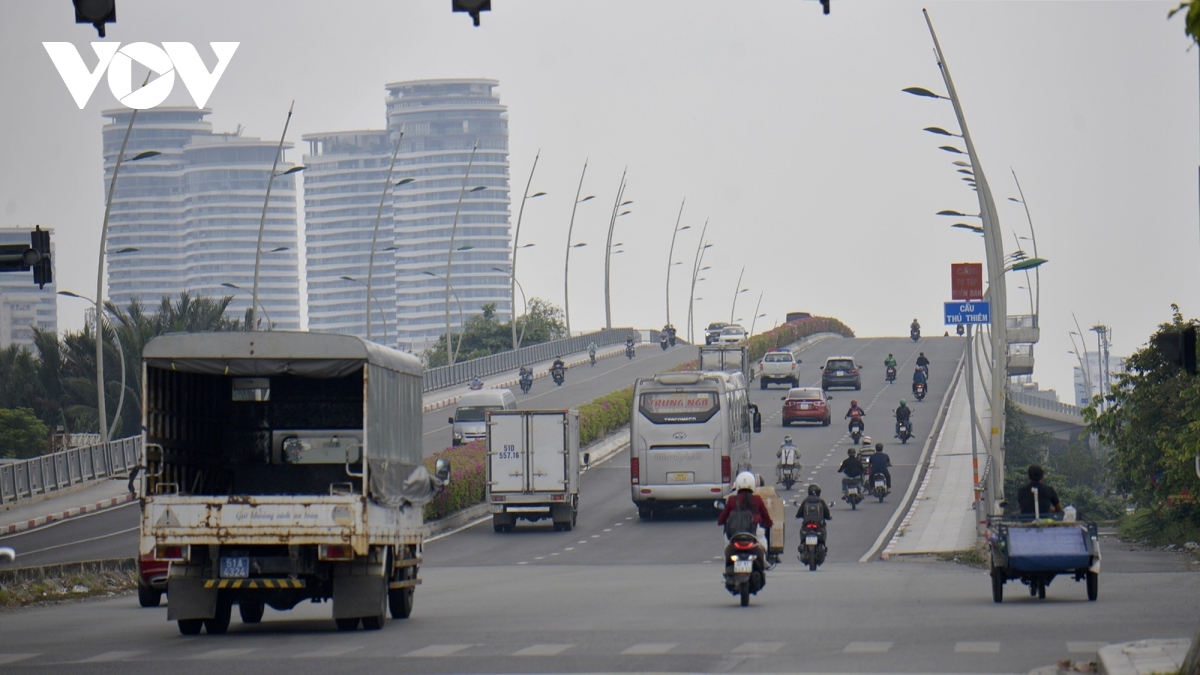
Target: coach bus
(689, 435)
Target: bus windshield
(665, 407)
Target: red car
(152, 580)
(805, 404)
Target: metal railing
(1045, 404)
(27, 478)
(464, 371)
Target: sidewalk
(941, 518)
(28, 514)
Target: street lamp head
(144, 155)
(685, 227)
(586, 199)
(278, 249)
(537, 194)
(1028, 264)
(229, 285)
(708, 246)
(404, 181)
(743, 290)
(974, 228)
(706, 267)
(951, 148)
(346, 278)
(959, 162)
(921, 91)
(127, 249)
(69, 294)
(966, 171)
(624, 213)
(960, 214)
(466, 247)
(295, 169)
(1014, 199)
(627, 202)
(941, 132)
(526, 245)
(579, 245)
(427, 272)
(477, 188)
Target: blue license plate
(235, 567)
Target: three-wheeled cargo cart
(1036, 551)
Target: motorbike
(559, 374)
(915, 334)
(904, 432)
(856, 430)
(592, 357)
(879, 486)
(671, 337)
(629, 349)
(788, 474)
(745, 570)
(526, 382)
(852, 492)
(891, 374)
(475, 385)
(812, 545)
(663, 341)
(919, 392)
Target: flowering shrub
(788, 333)
(604, 415)
(467, 476)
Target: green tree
(1151, 421)
(1022, 446)
(22, 434)
(484, 334)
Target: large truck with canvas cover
(282, 467)
(532, 467)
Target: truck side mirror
(587, 459)
(757, 419)
(442, 470)
(451, 420)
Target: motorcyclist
(923, 363)
(903, 414)
(889, 361)
(852, 468)
(788, 455)
(629, 343)
(558, 366)
(744, 484)
(880, 463)
(1047, 497)
(592, 350)
(476, 383)
(919, 377)
(813, 509)
(855, 415)
(915, 326)
(671, 333)
(525, 371)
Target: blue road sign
(968, 311)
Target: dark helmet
(814, 490)
(850, 452)
(853, 403)
(879, 447)
(921, 354)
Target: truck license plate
(681, 477)
(811, 540)
(743, 567)
(235, 568)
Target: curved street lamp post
(671, 254)
(262, 221)
(387, 182)
(450, 253)
(512, 286)
(450, 357)
(107, 434)
(371, 296)
(567, 257)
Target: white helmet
(866, 440)
(744, 481)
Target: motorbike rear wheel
(812, 560)
(997, 585)
(745, 593)
(1093, 586)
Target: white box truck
(283, 467)
(533, 467)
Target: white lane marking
(976, 647)
(758, 648)
(523, 562)
(568, 548)
(607, 529)
(438, 650)
(327, 653)
(595, 536)
(13, 658)
(867, 647)
(650, 648)
(80, 541)
(229, 653)
(554, 554)
(542, 650)
(540, 557)
(582, 542)
(111, 656)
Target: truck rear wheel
(347, 624)
(400, 600)
(376, 621)
(148, 596)
(997, 585)
(251, 610)
(1093, 586)
(190, 626)
(220, 621)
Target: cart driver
(1047, 498)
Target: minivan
(468, 424)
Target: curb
(63, 515)
(1143, 657)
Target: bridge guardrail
(448, 376)
(56, 471)
(1044, 403)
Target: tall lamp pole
(757, 316)
(671, 255)
(387, 182)
(695, 271)
(612, 221)
(567, 257)
(512, 286)
(370, 296)
(450, 357)
(450, 253)
(262, 221)
(737, 290)
(101, 412)
(1037, 278)
(107, 434)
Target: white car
(732, 334)
(779, 366)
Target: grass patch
(973, 557)
(1157, 528)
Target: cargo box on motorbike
(774, 504)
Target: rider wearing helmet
(788, 455)
(890, 361)
(855, 415)
(851, 467)
(923, 363)
(903, 414)
(813, 509)
(916, 325)
(919, 377)
(744, 484)
(880, 463)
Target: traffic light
(39, 243)
(96, 12)
(472, 7)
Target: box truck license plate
(235, 567)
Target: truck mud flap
(357, 590)
(189, 599)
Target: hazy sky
(786, 129)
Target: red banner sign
(966, 281)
